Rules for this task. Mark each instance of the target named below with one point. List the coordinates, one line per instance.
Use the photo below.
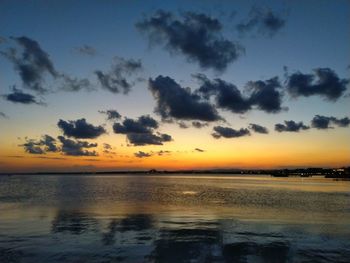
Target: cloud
(227, 132)
(258, 128)
(141, 131)
(108, 149)
(264, 95)
(199, 125)
(18, 96)
(111, 114)
(264, 22)
(31, 62)
(141, 154)
(32, 147)
(324, 122)
(175, 102)
(162, 153)
(323, 82)
(291, 126)
(115, 80)
(49, 143)
(74, 84)
(3, 115)
(86, 50)
(195, 35)
(141, 139)
(182, 125)
(77, 148)
(199, 150)
(144, 124)
(80, 129)
(42, 146)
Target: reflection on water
(173, 219)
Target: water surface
(177, 218)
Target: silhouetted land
(343, 172)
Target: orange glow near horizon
(312, 149)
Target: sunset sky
(130, 85)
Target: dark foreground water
(173, 219)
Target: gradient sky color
(315, 35)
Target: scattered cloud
(264, 95)
(74, 84)
(86, 50)
(227, 132)
(141, 131)
(199, 150)
(31, 62)
(258, 128)
(111, 114)
(3, 115)
(116, 80)
(175, 102)
(261, 21)
(199, 125)
(291, 126)
(324, 122)
(182, 125)
(76, 147)
(18, 96)
(80, 129)
(323, 82)
(197, 36)
(108, 149)
(141, 154)
(42, 146)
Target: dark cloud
(141, 154)
(199, 125)
(291, 126)
(141, 139)
(42, 146)
(199, 150)
(176, 102)
(31, 62)
(262, 21)
(77, 148)
(144, 124)
(323, 82)
(49, 143)
(258, 128)
(80, 129)
(161, 152)
(182, 125)
(3, 115)
(141, 131)
(74, 84)
(32, 147)
(264, 95)
(227, 95)
(324, 122)
(18, 96)
(227, 132)
(111, 114)
(197, 36)
(116, 79)
(108, 149)
(86, 50)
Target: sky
(133, 85)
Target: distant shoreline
(306, 172)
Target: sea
(173, 218)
